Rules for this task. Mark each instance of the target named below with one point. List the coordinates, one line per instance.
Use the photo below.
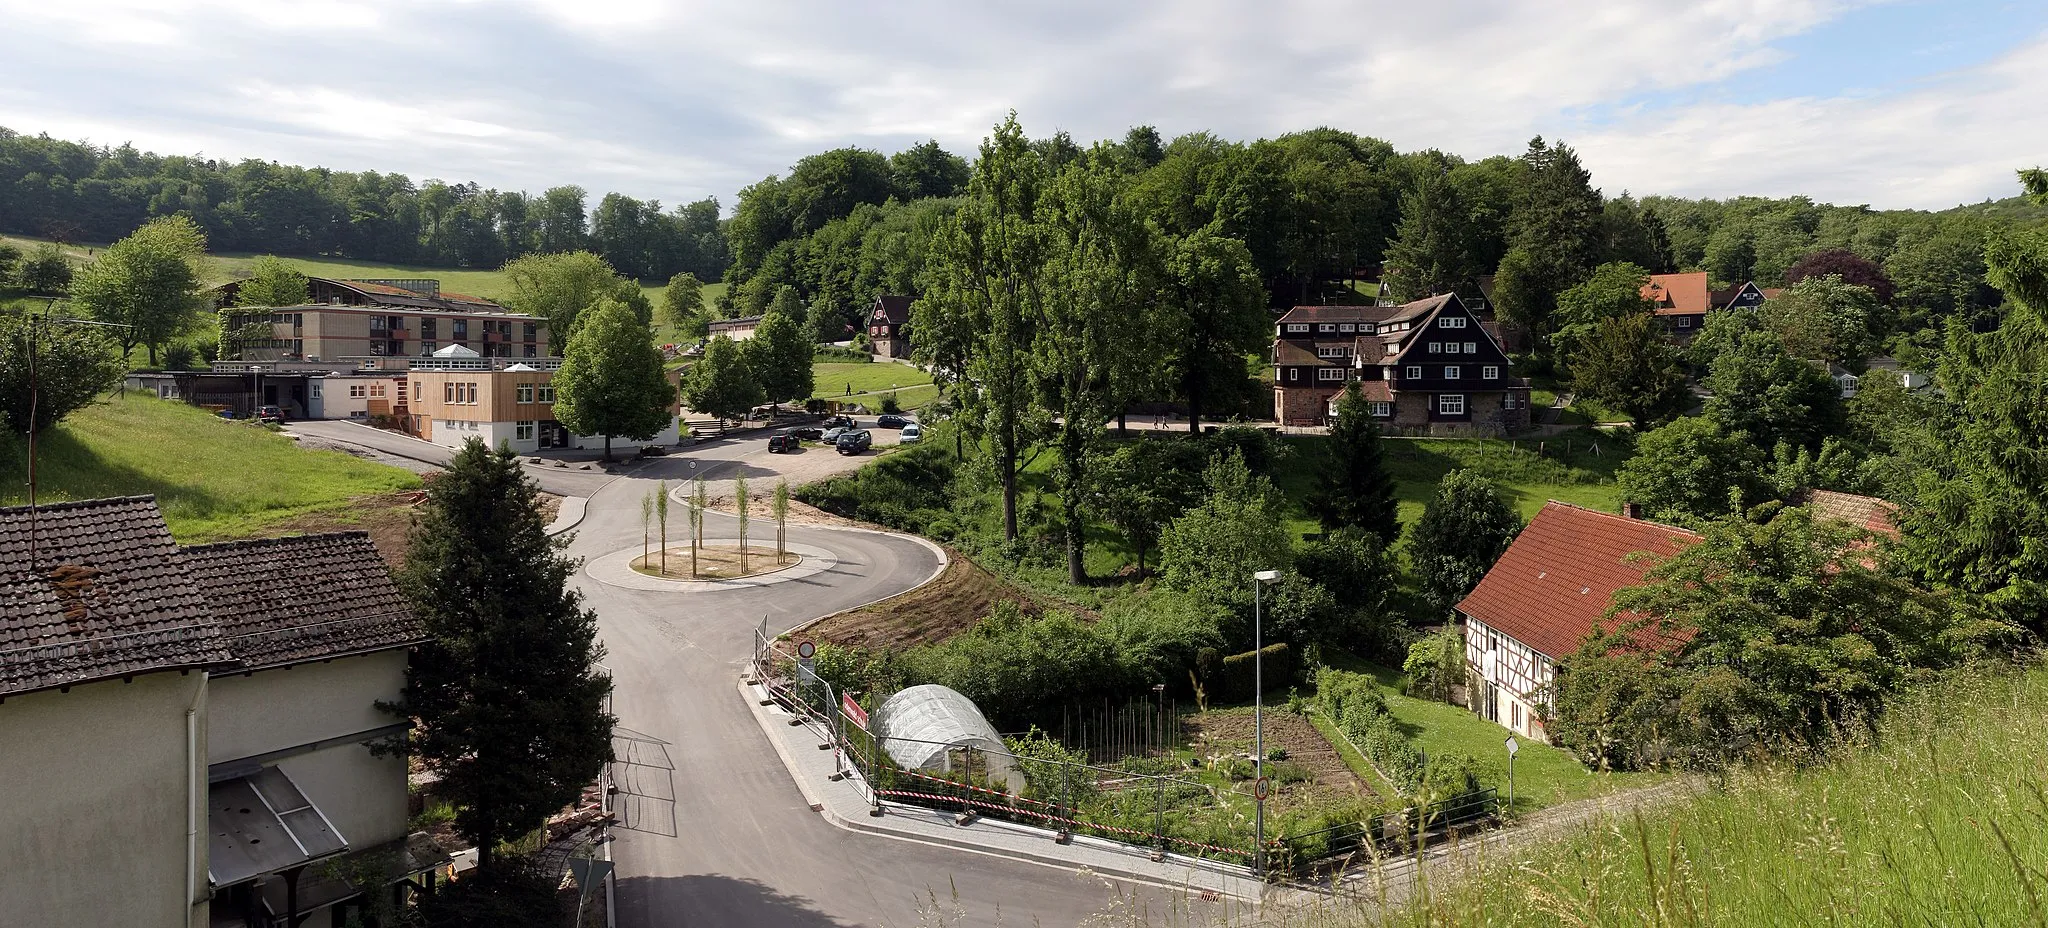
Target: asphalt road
(561, 481)
(720, 836)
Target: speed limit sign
(1260, 789)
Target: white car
(912, 434)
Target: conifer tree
(506, 692)
(1432, 254)
(1356, 489)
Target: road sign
(854, 711)
(806, 650)
(1513, 745)
(1259, 789)
(589, 872)
(806, 669)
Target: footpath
(806, 751)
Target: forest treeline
(1313, 207)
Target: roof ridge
(1618, 517)
(273, 540)
(80, 504)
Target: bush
(1353, 703)
(1435, 664)
(1235, 674)
(889, 404)
(836, 353)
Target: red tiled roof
(1865, 512)
(1678, 294)
(1555, 582)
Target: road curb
(753, 693)
(570, 515)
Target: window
(1330, 373)
(460, 328)
(1365, 328)
(1451, 404)
(1381, 410)
(1297, 327)
(355, 391)
(532, 351)
(448, 392)
(1452, 372)
(547, 393)
(1333, 351)
(376, 389)
(1451, 322)
(377, 349)
(1471, 347)
(1294, 373)
(1346, 327)
(427, 349)
(1507, 401)
(471, 394)
(1435, 348)
(1326, 327)
(1685, 322)
(1515, 710)
(430, 328)
(525, 393)
(522, 431)
(1412, 372)
(1489, 372)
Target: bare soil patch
(947, 606)
(386, 516)
(714, 562)
(1230, 731)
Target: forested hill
(1312, 208)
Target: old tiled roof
(307, 597)
(1285, 352)
(896, 309)
(1678, 294)
(1554, 583)
(106, 596)
(1865, 512)
(1346, 313)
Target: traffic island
(623, 568)
(715, 562)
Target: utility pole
(31, 339)
(1259, 580)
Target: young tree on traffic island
(1464, 529)
(506, 691)
(1356, 488)
(612, 381)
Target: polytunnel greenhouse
(922, 727)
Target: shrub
(1435, 664)
(889, 404)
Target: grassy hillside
(868, 382)
(214, 479)
(1575, 468)
(1941, 819)
(489, 284)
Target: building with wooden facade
(456, 396)
(889, 326)
(1430, 367)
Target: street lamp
(1259, 580)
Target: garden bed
(714, 562)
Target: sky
(1899, 104)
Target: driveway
(719, 835)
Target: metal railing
(1401, 830)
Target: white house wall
(98, 801)
(1518, 675)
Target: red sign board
(854, 711)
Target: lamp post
(1259, 580)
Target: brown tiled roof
(307, 597)
(896, 309)
(1346, 313)
(1554, 583)
(1865, 512)
(1678, 294)
(1286, 352)
(106, 596)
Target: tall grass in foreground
(1941, 819)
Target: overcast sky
(1913, 103)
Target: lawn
(856, 382)
(1544, 776)
(214, 479)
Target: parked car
(855, 441)
(912, 433)
(831, 436)
(808, 433)
(783, 440)
(832, 422)
(269, 414)
(890, 420)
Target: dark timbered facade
(1431, 366)
(889, 326)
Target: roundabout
(617, 568)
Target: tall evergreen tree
(1558, 237)
(612, 381)
(1464, 529)
(506, 691)
(1356, 489)
(1432, 253)
(1627, 363)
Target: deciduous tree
(45, 271)
(1853, 268)
(1761, 389)
(559, 287)
(721, 383)
(1214, 315)
(1628, 363)
(1693, 470)
(148, 282)
(612, 381)
(72, 366)
(682, 304)
(506, 690)
(272, 282)
(1464, 529)
(779, 354)
(1213, 550)
(1827, 318)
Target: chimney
(1632, 511)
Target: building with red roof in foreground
(1544, 597)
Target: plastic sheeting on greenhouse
(933, 722)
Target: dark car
(269, 414)
(890, 420)
(855, 441)
(781, 441)
(837, 422)
(831, 436)
(808, 433)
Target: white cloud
(680, 100)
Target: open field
(855, 382)
(1576, 468)
(214, 479)
(1938, 818)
